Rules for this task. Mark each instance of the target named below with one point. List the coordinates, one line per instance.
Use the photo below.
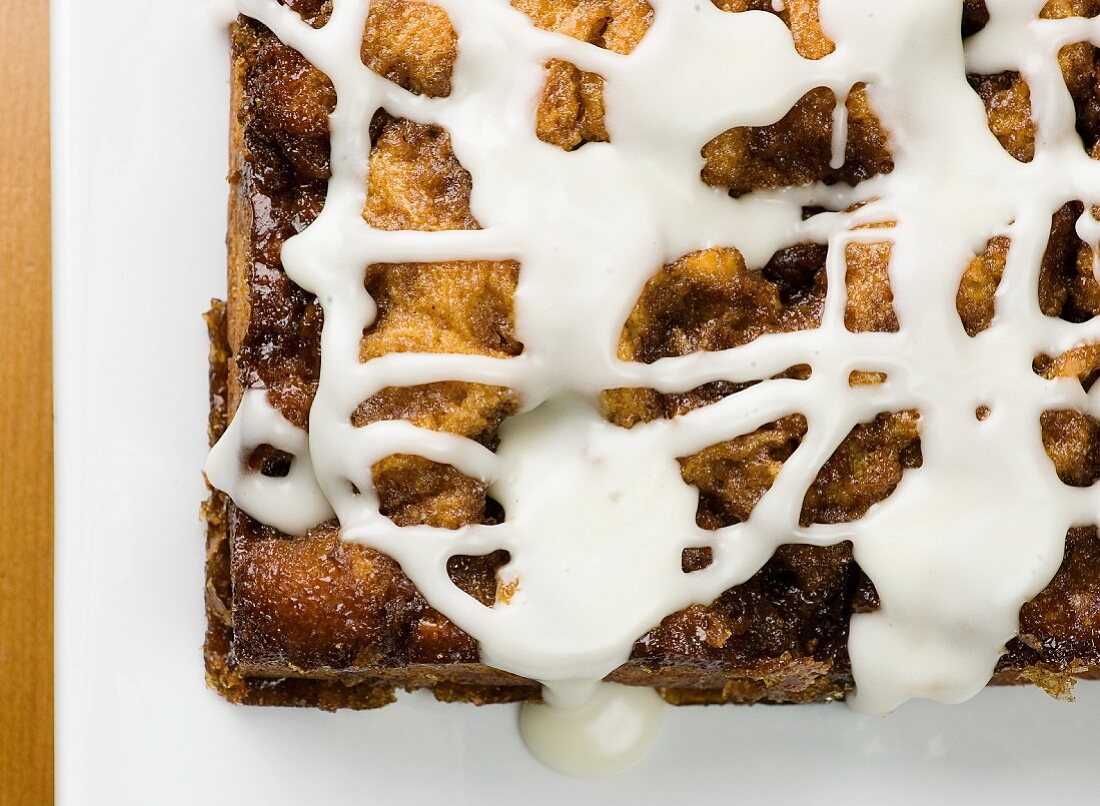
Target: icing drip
(597, 516)
(590, 730)
(293, 503)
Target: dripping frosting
(597, 516)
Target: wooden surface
(26, 466)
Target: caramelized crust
(710, 301)
(1007, 100)
(870, 304)
(975, 17)
(1060, 628)
(1081, 363)
(781, 637)
(1079, 68)
(412, 44)
(864, 469)
(1007, 97)
(617, 25)
(571, 112)
(468, 409)
(1062, 9)
(733, 476)
(442, 308)
(978, 287)
(1067, 283)
(320, 621)
(1072, 441)
(798, 149)
(415, 181)
(867, 152)
(314, 12)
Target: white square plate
(140, 111)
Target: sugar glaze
(597, 516)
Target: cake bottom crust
(784, 679)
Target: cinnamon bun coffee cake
(737, 351)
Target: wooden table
(26, 446)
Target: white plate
(140, 109)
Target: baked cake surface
(314, 619)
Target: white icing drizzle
(840, 131)
(597, 516)
(293, 503)
(1088, 230)
(596, 731)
